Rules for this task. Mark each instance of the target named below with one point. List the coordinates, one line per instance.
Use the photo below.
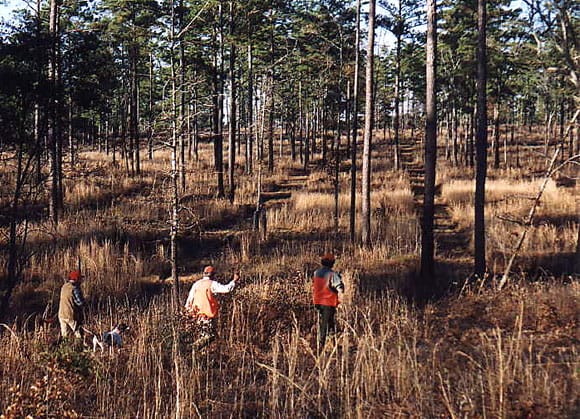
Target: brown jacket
(70, 305)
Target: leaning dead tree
(528, 222)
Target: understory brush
(388, 358)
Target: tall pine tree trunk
(353, 150)
(133, 110)
(271, 101)
(150, 116)
(337, 154)
(195, 133)
(181, 125)
(71, 148)
(53, 111)
(481, 142)
(217, 106)
(427, 239)
(496, 135)
(397, 121)
(250, 117)
(232, 110)
(174, 168)
(369, 113)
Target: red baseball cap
(75, 275)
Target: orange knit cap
(328, 257)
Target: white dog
(97, 343)
(111, 338)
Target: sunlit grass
(478, 354)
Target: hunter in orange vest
(202, 305)
(326, 284)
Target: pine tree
(427, 239)
(481, 142)
(369, 114)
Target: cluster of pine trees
(130, 76)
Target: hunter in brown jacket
(71, 302)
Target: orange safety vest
(321, 292)
(204, 302)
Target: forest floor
(472, 352)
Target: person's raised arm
(218, 288)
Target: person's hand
(236, 276)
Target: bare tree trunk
(348, 115)
(174, 169)
(481, 142)
(150, 116)
(12, 268)
(250, 125)
(37, 143)
(232, 111)
(366, 168)
(195, 119)
(455, 130)
(548, 131)
(181, 124)
(447, 120)
(427, 240)
(308, 128)
(261, 121)
(496, 135)
(39, 122)
(54, 203)
(59, 108)
(217, 107)
(301, 124)
(221, 108)
(337, 155)
(292, 132)
(397, 121)
(471, 138)
(271, 100)
(353, 149)
(70, 133)
(133, 106)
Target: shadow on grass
(37, 212)
(105, 199)
(558, 221)
(535, 266)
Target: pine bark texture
(481, 142)
(369, 113)
(427, 239)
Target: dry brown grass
(477, 354)
(555, 223)
(389, 359)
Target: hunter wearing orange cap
(203, 306)
(69, 308)
(326, 285)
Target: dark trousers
(326, 324)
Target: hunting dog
(111, 339)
